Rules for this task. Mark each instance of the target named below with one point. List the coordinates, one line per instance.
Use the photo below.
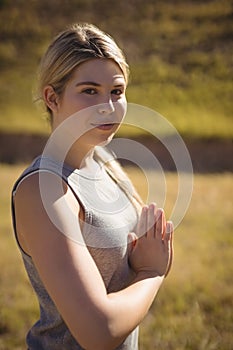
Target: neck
(79, 158)
(63, 146)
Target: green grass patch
(197, 104)
(193, 309)
(180, 56)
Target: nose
(107, 107)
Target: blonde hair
(77, 44)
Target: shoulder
(33, 184)
(40, 190)
(44, 205)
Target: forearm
(118, 313)
(128, 307)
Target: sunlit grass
(196, 103)
(181, 61)
(194, 307)
(17, 303)
(201, 108)
(18, 119)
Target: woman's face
(97, 91)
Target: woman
(96, 281)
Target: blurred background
(181, 60)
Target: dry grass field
(193, 310)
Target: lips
(107, 126)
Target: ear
(51, 98)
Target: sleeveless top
(109, 217)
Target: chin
(105, 140)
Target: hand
(152, 249)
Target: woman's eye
(89, 91)
(117, 92)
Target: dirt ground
(207, 155)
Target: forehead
(99, 70)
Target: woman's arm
(96, 319)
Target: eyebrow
(95, 84)
(87, 83)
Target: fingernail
(152, 205)
(169, 227)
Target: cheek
(74, 105)
(121, 109)
(86, 101)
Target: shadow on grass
(207, 155)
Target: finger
(151, 220)
(132, 241)
(159, 224)
(142, 223)
(168, 232)
(169, 240)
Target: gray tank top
(109, 217)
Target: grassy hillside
(180, 53)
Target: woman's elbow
(101, 344)
(98, 336)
